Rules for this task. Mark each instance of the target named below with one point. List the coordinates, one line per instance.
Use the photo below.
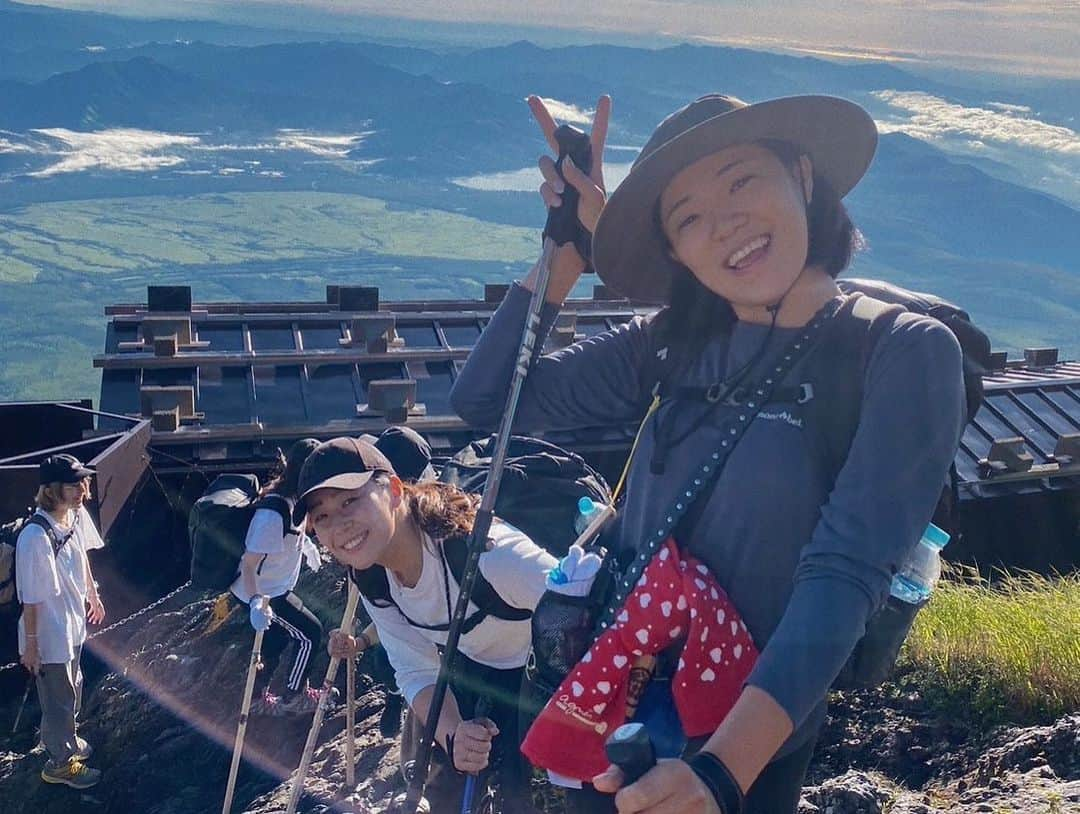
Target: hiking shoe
(303, 702)
(268, 704)
(390, 719)
(74, 773)
(83, 750)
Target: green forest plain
(62, 263)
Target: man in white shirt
(56, 588)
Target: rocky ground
(163, 718)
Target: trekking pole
(472, 781)
(22, 705)
(350, 715)
(562, 227)
(241, 727)
(320, 711)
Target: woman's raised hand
(590, 187)
(568, 264)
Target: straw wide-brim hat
(628, 251)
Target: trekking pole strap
(481, 527)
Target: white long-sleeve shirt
(514, 565)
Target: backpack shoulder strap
(374, 586)
(837, 371)
(280, 504)
(55, 539)
(484, 595)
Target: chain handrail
(124, 621)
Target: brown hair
(440, 509)
(49, 496)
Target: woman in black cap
(56, 588)
(732, 219)
(275, 549)
(399, 541)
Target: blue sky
(1036, 37)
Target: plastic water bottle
(914, 582)
(586, 508)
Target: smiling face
(357, 525)
(737, 220)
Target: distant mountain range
(975, 228)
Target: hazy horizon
(1017, 37)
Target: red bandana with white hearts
(676, 596)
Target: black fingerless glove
(562, 224)
(718, 780)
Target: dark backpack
(540, 488)
(835, 371)
(841, 378)
(9, 537)
(539, 492)
(218, 524)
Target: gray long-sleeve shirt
(806, 567)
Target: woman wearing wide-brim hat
(732, 218)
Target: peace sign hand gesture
(568, 264)
(591, 186)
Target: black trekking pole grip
(631, 749)
(562, 224)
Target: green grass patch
(1002, 652)
(113, 235)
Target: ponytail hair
(441, 510)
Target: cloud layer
(930, 118)
(1022, 148)
(58, 150)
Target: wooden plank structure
(119, 460)
(246, 379)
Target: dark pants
(292, 622)
(445, 785)
(59, 688)
(776, 791)
(377, 665)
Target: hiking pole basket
(479, 536)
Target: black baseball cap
(63, 469)
(408, 451)
(342, 463)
